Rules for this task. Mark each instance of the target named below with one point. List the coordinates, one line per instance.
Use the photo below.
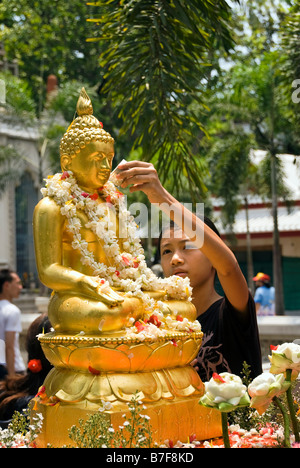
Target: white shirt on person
(10, 321)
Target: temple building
(21, 138)
(18, 200)
(261, 232)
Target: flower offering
(225, 392)
(285, 356)
(264, 388)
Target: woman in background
(17, 391)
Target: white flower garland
(128, 270)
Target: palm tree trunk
(277, 265)
(250, 269)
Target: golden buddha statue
(118, 328)
(80, 302)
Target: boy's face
(92, 166)
(179, 256)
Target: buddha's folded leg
(185, 309)
(70, 313)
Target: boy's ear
(65, 162)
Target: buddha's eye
(102, 156)
(96, 157)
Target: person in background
(16, 391)
(264, 297)
(11, 361)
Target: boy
(228, 323)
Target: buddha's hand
(194, 364)
(142, 176)
(93, 287)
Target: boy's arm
(143, 176)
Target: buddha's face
(92, 166)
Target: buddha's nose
(105, 164)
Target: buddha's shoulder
(46, 205)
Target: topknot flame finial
(84, 104)
(84, 129)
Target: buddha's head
(86, 148)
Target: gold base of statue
(93, 370)
(175, 420)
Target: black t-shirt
(229, 340)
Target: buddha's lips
(104, 174)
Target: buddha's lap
(73, 313)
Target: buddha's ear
(65, 162)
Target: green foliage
(22, 430)
(243, 416)
(161, 91)
(18, 96)
(155, 57)
(67, 96)
(290, 63)
(249, 109)
(229, 166)
(20, 422)
(97, 432)
(265, 177)
(46, 38)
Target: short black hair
(171, 225)
(5, 275)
